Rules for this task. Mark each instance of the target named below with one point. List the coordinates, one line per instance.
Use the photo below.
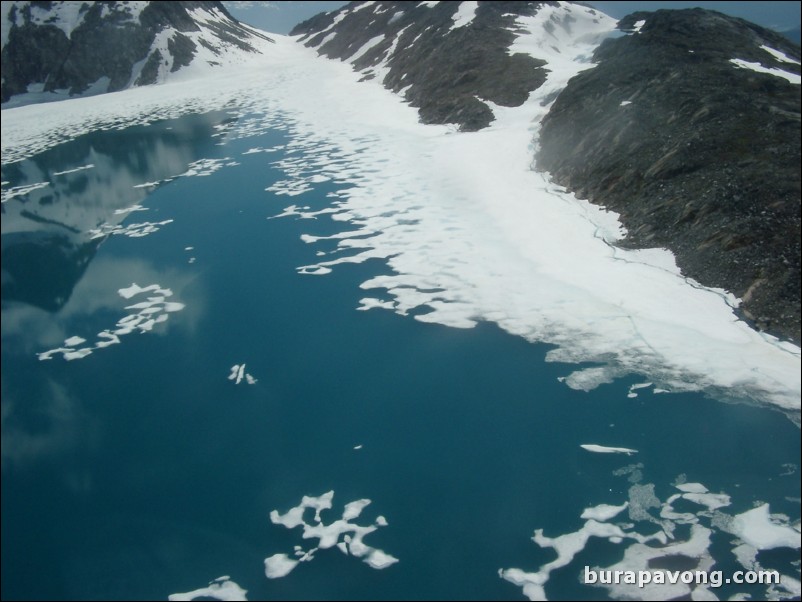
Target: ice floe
(147, 314)
(206, 167)
(130, 209)
(131, 230)
(74, 170)
(705, 539)
(602, 449)
(221, 588)
(6, 194)
(342, 533)
(756, 528)
(279, 565)
(632, 394)
(238, 373)
(603, 512)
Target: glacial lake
(151, 465)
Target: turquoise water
(141, 470)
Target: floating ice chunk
(151, 312)
(48, 355)
(130, 209)
(135, 289)
(635, 387)
(746, 556)
(637, 557)
(238, 373)
(219, 589)
(10, 193)
(625, 103)
(279, 565)
(713, 501)
(314, 270)
(132, 230)
(357, 446)
(367, 303)
(756, 528)
(206, 167)
(567, 547)
(379, 560)
(354, 509)
(76, 355)
(601, 449)
(329, 535)
(603, 512)
(77, 169)
(111, 339)
(588, 379)
(691, 487)
(649, 552)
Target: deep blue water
(141, 470)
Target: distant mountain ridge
(53, 50)
(688, 125)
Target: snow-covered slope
(685, 122)
(456, 60)
(53, 50)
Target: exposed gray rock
(704, 161)
(446, 72)
(106, 46)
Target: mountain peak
(55, 50)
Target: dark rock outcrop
(704, 161)
(75, 48)
(445, 71)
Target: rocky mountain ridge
(689, 127)
(55, 50)
(452, 60)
